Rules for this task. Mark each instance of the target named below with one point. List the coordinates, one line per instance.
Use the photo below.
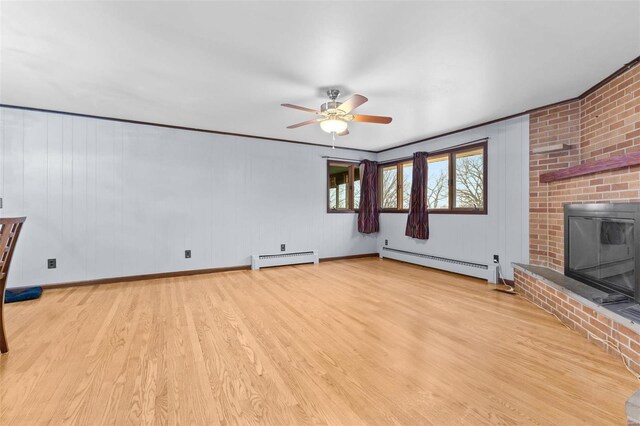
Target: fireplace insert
(601, 246)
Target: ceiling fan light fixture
(334, 117)
(333, 125)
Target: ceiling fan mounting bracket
(333, 94)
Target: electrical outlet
(496, 258)
(51, 264)
(386, 242)
(187, 254)
(282, 247)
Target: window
(438, 182)
(457, 182)
(356, 187)
(395, 185)
(407, 177)
(343, 187)
(469, 179)
(390, 187)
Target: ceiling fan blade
(345, 133)
(304, 123)
(301, 108)
(352, 103)
(372, 119)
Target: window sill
(475, 212)
(472, 212)
(342, 211)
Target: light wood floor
(364, 341)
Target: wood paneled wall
(109, 199)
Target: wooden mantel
(617, 162)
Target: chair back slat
(9, 232)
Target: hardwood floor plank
(358, 341)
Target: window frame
(451, 154)
(399, 185)
(350, 190)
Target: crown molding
(171, 126)
(626, 67)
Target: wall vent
(294, 258)
(475, 269)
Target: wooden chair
(9, 233)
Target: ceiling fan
(335, 115)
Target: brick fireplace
(601, 125)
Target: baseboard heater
(294, 258)
(452, 265)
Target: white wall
(476, 238)
(109, 199)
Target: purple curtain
(368, 216)
(418, 218)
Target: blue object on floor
(20, 296)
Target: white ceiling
(227, 66)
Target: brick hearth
(594, 322)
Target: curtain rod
(449, 148)
(350, 160)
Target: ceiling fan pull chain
(333, 143)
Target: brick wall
(559, 124)
(611, 336)
(610, 118)
(603, 124)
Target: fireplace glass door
(602, 251)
